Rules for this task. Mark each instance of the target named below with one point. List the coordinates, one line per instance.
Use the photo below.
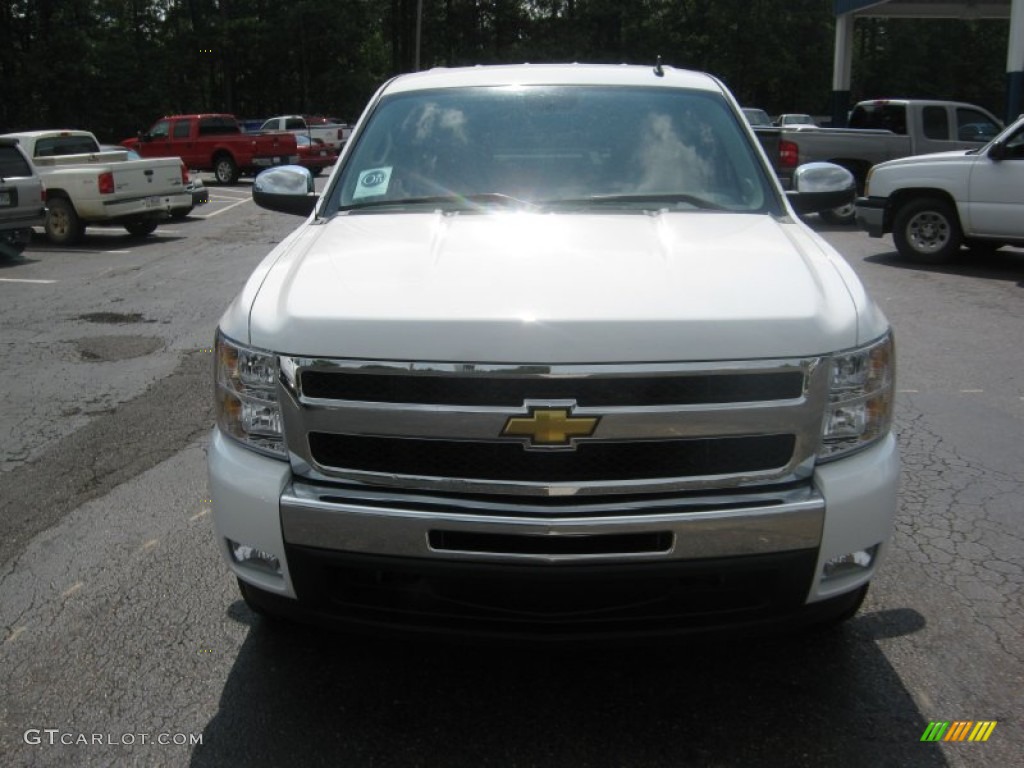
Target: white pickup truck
(333, 135)
(934, 204)
(553, 357)
(85, 185)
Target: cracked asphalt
(119, 626)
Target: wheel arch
(58, 192)
(901, 197)
(222, 151)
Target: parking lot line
(222, 210)
(25, 280)
(71, 250)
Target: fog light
(850, 563)
(251, 557)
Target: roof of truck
(43, 133)
(554, 74)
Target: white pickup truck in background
(334, 135)
(933, 204)
(85, 185)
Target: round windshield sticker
(372, 182)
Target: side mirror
(997, 151)
(821, 187)
(286, 189)
(145, 136)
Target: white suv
(935, 204)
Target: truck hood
(552, 288)
(948, 157)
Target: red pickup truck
(216, 143)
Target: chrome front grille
(659, 427)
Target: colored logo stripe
(958, 730)
(983, 730)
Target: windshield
(550, 146)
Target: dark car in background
(22, 199)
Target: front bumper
(476, 565)
(871, 215)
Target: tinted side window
(216, 126)
(182, 129)
(889, 117)
(65, 145)
(936, 123)
(294, 123)
(1015, 145)
(13, 164)
(159, 130)
(973, 125)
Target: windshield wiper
(696, 202)
(458, 201)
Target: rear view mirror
(286, 189)
(821, 186)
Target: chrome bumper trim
(379, 524)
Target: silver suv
(22, 199)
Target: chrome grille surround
(799, 416)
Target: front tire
(63, 227)
(927, 231)
(225, 170)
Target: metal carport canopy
(847, 11)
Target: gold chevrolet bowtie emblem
(550, 427)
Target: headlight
(859, 409)
(246, 395)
